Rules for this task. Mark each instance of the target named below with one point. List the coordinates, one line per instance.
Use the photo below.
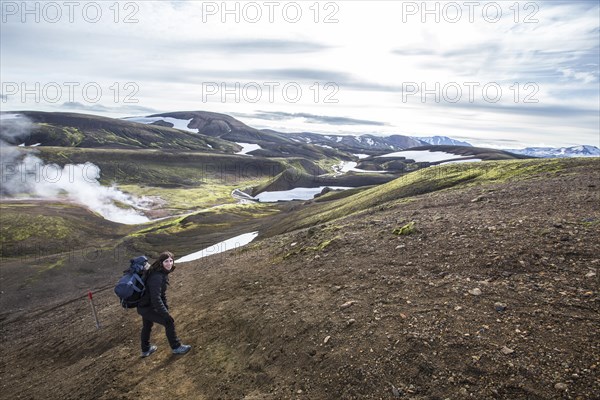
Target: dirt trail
(493, 296)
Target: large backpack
(132, 285)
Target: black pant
(149, 317)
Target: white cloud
(176, 49)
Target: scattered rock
(475, 292)
(347, 304)
(561, 386)
(500, 307)
(350, 322)
(396, 392)
(477, 199)
(506, 350)
(590, 274)
(326, 340)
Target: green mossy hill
(43, 228)
(475, 152)
(166, 168)
(401, 164)
(430, 180)
(217, 133)
(293, 178)
(82, 130)
(330, 194)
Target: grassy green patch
(407, 229)
(195, 198)
(16, 227)
(69, 135)
(320, 247)
(58, 264)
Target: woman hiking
(153, 306)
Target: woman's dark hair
(158, 264)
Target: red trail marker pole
(94, 309)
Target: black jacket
(155, 294)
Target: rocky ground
(492, 293)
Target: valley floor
(493, 296)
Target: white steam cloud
(24, 174)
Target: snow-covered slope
(425, 156)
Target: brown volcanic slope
(350, 310)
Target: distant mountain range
(442, 141)
(559, 152)
(209, 131)
(369, 144)
(229, 128)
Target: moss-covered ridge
(430, 180)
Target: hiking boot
(184, 348)
(151, 350)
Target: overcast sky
(503, 74)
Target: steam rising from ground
(24, 174)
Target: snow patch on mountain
(424, 155)
(247, 148)
(181, 124)
(226, 245)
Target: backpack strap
(137, 278)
